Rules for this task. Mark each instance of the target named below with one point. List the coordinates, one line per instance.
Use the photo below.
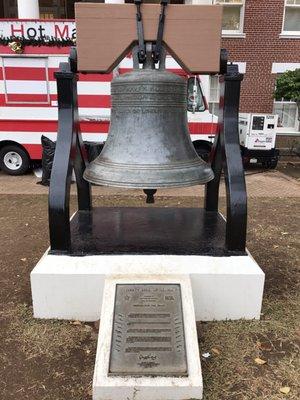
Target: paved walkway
(259, 184)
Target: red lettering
(14, 30)
(62, 34)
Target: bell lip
(100, 182)
(160, 167)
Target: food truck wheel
(14, 160)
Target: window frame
(289, 33)
(289, 129)
(234, 32)
(58, 10)
(216, 102)
(202, 106)
(32, 103)
(7, 8)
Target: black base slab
(141, 230)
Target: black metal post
(236, 195)
(226, 156)
(70, 153)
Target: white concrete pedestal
(66, 287)
(147, 388)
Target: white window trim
(242, 66)
(289, 34)
(235, 33)
(242, 70)
(287, 130)
(280, 68)
(217, 90)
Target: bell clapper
(150, 195)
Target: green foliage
(288, 86)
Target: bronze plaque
(148, 332)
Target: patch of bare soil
(290, 168)
(47, 359)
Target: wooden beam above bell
(107, 32)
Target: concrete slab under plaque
(148, 331)
(134, 290)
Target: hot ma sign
(38, 29)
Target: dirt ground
(281, 182)
(291, 168)
(54, 360)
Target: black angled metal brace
(160, 32)
(157, 48)
(70, 153)
(226, 156)
(140, 32)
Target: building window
(287, 112)
(50, 9)
(10, 9)
(214, 95)
(233, 15)
(1, 9)
(291, 20)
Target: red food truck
(30, 53)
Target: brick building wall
(261, 47)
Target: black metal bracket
(223, 61)
(160, 32)
(70, 154)
(157, 47)
(140, 32)
(226, 156)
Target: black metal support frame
(70, 153)
(226, 156)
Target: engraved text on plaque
(148, 332)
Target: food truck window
(25, 80)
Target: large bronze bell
(148, 144)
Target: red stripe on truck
(203, 128)
(31, 100)
(34, 150)
(95, 101)
(50, 126)
(39, 74)
(195, 128)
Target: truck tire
(274, 164)
(270, 164)
(14, 160)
